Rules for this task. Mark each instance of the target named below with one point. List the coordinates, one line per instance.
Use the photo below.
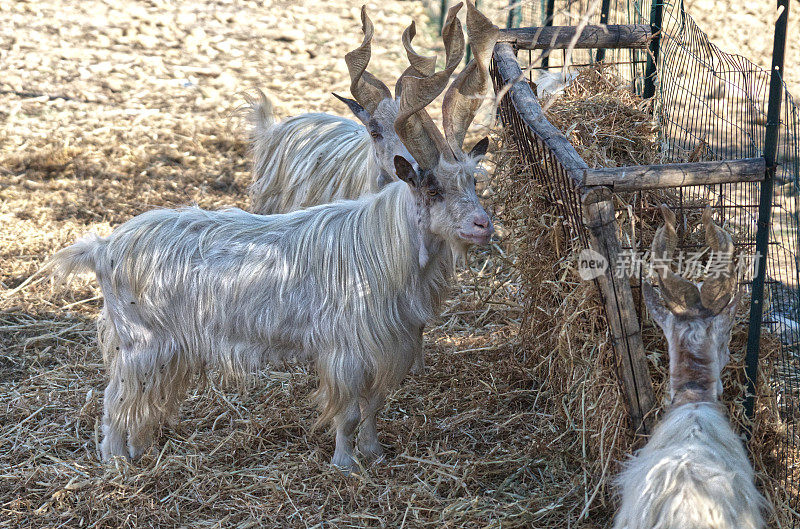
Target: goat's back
(307, 160)
(692, 474)
(340, 276)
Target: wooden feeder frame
(594, 188)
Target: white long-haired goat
(317, 158)
(694, 472)
(348, 285)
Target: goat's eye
(432, 192)
(375, 135)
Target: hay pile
(517, 421)
(607, 124)
(563, 325)
(469, 443)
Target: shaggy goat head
(445, 181)
(374, 106)
(696, 319)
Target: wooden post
(656, 20)
(771, 134)
(598, 215)
(638, 177)
(549, 12)
(514, 13)
(604, 9)
(636, 36)
(598, 212)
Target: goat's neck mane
(376, 241)
(287, 165)
(396, 213)
(690, 393)
(376, 238)
(693, 371)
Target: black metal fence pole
(548, 21)
(442, 14)
(656, 19)
(765, 206)
(514, 13)
(604, 9)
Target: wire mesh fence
(709, 105)
(631, 63)
(540, 161)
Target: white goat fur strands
(188, 289)
(307, 160)
(692, 474)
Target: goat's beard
(458, 254)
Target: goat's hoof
(113, 446)
(418, 367)
(371, 452)
(344, 463)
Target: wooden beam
(598, 216)
(620, 309)
(527, 106)
(637, 177)
(560, 37)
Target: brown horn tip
(720, 284)
(667, 214)
(680, 296)
(413, 125)
(424, 65)
(708, 215)
(367, 89)
(465, 95)
(419, 65)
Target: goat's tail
(259, 112)
(82, 256)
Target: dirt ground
(747, 29)
(112, 108)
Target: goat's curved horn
(680, 296)
(367, 89)
(413, 125)
(421, 66)
(718, 290)
(464, 97)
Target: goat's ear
(655, 306)
(405, 171)
(359, 111)
(480, 148)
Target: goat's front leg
(368, 443)
(418, 351)
(346, 423)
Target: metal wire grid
(630, 63)
(543, 164)
(536, 13)
(561, 191)
(711, 106)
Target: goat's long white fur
(307, 160)
(184, 289)
(692, 474)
